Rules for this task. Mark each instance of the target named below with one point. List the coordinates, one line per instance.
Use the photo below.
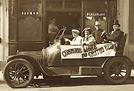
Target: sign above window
(95, 14)
(30, 13)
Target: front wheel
(117, 70)
(18, 73)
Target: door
(71, 20)
(26, 26)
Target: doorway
(71, 20)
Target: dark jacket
(98, 36)
(116, 36)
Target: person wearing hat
(52, 30)
(88, 38)
(77, 40)
(116, 34)
(98, 33)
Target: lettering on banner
(71, 51)
(89, 51)
(97, 51)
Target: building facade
(31, 17)
(24, 22)
(4, 31)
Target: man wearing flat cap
(116, 34)
(77, 40)
(98, 33)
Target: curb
(2, 82)
(1, 78)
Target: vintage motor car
(61, 59)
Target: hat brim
(117, 24)
(97, 25)
(75, 31)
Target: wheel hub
(117, 72)
(18, 73)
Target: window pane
(72, 4)
(54, 4)
(96, 6)
(29, 20)
(96, 10)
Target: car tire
(18, 73)
(117, 70)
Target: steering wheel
(60, 34)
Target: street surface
(75, 84)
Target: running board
(76, 71)
(88, 70)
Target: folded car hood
(33, 54)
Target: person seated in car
(98, 33)
(116, 34)
(88, 38)
(77, 40)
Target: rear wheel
(117, 70)
(18, 73)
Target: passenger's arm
(115, 36)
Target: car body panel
(68, 55)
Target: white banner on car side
(78, 52)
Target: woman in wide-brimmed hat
(88, 38)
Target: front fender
(36, 65)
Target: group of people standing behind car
(98, 36)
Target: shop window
(70, 20)
(66, 12)
(96, 10)
(73, 4)
(29, 6)
(29, 20)
(96, 6)
(54, 4)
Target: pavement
(2, 79)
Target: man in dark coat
(116, 34)
(98, 33)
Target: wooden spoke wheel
(18, 73)
(117, 70)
